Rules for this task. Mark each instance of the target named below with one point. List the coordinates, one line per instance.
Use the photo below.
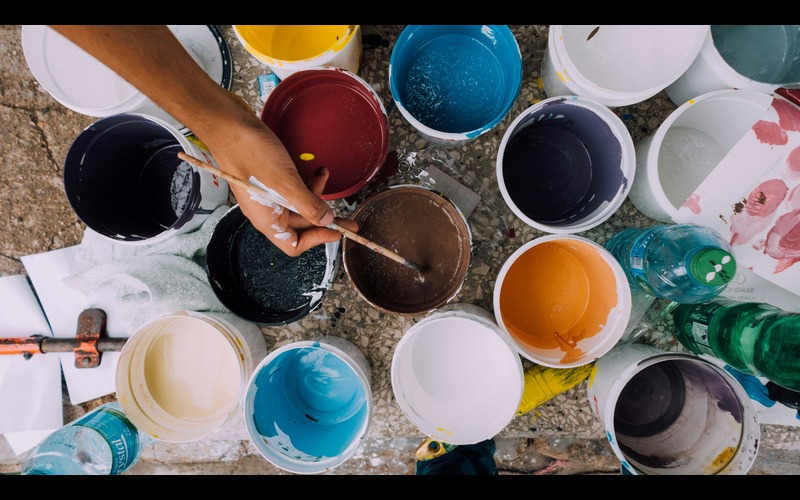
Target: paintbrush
(346, 232)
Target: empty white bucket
(673, 413)
(455, 376)
(747, 57)
(675, 159)
(618, 65)
(183, 375)
(309, 404)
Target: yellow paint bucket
(287, 49)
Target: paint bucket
(286, 49)
(183, 375)
(124, 180)
(565, 164)
(748, 57)
(618, 65)
(330, 117)
(421, 225)
(309, 404)
(453, 83)
(673, 413)
(258, 281)
(85, 85)
(455, 376)
(563, 301)
(675, 159)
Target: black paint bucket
(260, 283)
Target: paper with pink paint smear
(752, 197)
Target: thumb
(311, 207)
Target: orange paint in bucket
(561, 301)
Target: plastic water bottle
(755, 338)
(685, 263)
(102, 442)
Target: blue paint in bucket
(454, 82)
(308, 407)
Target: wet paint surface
(764, 53)
(293, 42)
(421, 226)
(327, 118)
(309, 404)
(454, 84)
(556, 294)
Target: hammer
(89, 343)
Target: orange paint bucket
(562, 300)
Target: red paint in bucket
(330, 117)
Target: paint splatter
(788, 115)
(793, 164)
(757, 212)
(783, 241)
(693, 204)
(770, 133)
(794, 198)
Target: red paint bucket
(330, 117)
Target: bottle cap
(712, 266)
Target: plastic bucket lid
(330, 117)
(562, 300)
(455, 376)
(453, 83)
(309, 404)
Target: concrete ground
(561, 437)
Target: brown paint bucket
(421, 225)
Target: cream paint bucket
(286, 49)
(309, 404)
(565, 164)
(183, 375)
(456, 377)
(618, 65)
(124, 180)
(746, 57)
(562, 300)
(675, 159)
(671, 413)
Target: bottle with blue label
(102, 442)
(684, 263)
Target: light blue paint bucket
(309, 404)
(455, 82)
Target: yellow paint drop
(557, 294)
(307, 156)
(294, 42)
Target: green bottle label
(119, 433)
(695, 327)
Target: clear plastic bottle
(685, 263)
(101, 442)
(755, 338)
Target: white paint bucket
(746, 57)
(83, 84)
(124, 180)
(309, 404)
(455, 376)
(562, 300)
(618, 65)
(286, 49)
(675, 159)
(565, 164)
(670, 413)
(183, 375)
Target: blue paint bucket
(566, 164)
(455, 82)
(309, 404)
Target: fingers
(308, 202)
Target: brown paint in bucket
(421, 225)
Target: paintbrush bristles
(346, 232)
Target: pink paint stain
(794, 198)
(770, 133)
(793, 164)
(788, 114)
(783, 241)
(693, 204)
(753, 215)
